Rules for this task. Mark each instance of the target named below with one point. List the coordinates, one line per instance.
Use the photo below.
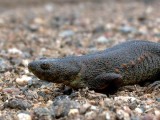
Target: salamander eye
(45, 66)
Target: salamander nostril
(45, 66)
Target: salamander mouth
(40, 72)
(49, 77)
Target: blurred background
(67, 27)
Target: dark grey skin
(124, 64)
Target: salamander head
(55, 70)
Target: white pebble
(73, 112)
(49, 7)
(86, 105)
(15, 51)
(25, 62)
(49, 103)
(2, 21)
(138, 110)
(93, 107)
(102, 39)
(127, 29)
(23, 80)
(24, 116)
(157, 112)
(26, 71)
(108, 117)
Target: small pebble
(15, 51)
(143, 30)
(90, 115)
(67, 90)
(108, 117)
(11, 90)
(133, 105)
(149, 101)
(127, 109)
(30, 94)
(24, 80)
(61, 106)
(73, 112)
(16, 103)
(25, 62)
(49, 103)
(84, 108)
(108, 102)
(127, 29)
(101, 116)
(33, 27)
(4, 66)
(39, 20)
(122, 115)
(157, 112)
(26, 71)
(148, 117)
(158, 99)
(139, 110)
(2, 21)
(93, 107)
(49, 7)
(66, 33)
(43, 114)
(99, 29)
(24, 116)
(102, 39)
(16, 61)
(157, 35)
(135, 117)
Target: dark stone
(42, 114)
(16, 103)
(67, 90)
(62, 105)
(3, 65)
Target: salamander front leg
(108, 82)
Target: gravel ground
(56, 29)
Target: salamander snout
(42, 69)
(38, 65)
(55, 70)
(31, 66)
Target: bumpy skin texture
(131, 62)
